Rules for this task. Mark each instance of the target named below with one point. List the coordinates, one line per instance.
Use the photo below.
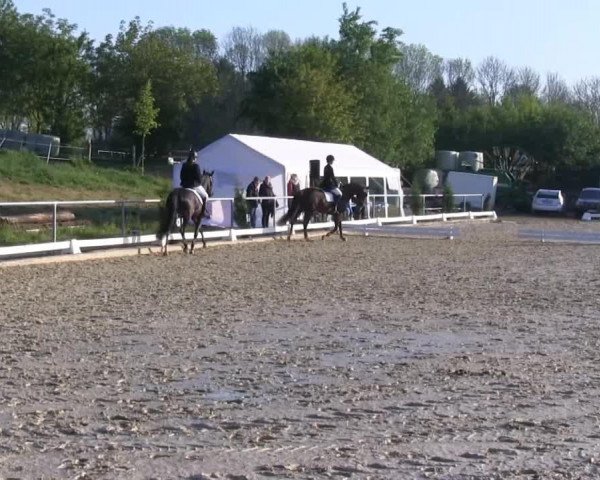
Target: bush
(515, 198)
(416, 200)
(447, 199)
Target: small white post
(74, 247)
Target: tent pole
(385, 197)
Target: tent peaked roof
(295, 154)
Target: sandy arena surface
(378, 358)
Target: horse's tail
(292, 212)
(169, 215)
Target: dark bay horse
(184, 204)
(313, 200)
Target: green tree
(176, 62)
(298, 93)
(145, 116)
(44, 70)
(392, 122)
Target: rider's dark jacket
(329, 180)
(190, 175)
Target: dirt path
(379, 358)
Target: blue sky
(548, 35)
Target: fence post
(123, 219)
(232, 234)
(90, 151)
(49, 150)
(464, 203)
(54, 222)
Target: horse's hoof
(343, 239)
(323, 237)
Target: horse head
(206, 180)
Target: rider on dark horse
(191, 176)
(329, 182)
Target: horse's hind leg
(184, 222)
(307, 217)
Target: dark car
(589, 199)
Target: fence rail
(231, 233)
(560, 236)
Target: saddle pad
(328, 196)
(197, 194)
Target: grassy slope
(24, 177)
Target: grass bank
(23, 177)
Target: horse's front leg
(202, 236)
(336, 225)
(293, 220)
(202, 214)
(339, 220)
(163, 244)
(197, 224)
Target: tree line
(399, 102)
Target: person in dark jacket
(329, 182)
(191, 176)
(252, 191)
(268, 206)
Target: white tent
(237, 159)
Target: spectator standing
(268, 206)
(253, 191)
(293, 187)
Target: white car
(548, 201)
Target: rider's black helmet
(191, 155)
(329, 158)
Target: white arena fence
(377, 218)
(560, 236)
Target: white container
(471, 160)
(446, 160)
